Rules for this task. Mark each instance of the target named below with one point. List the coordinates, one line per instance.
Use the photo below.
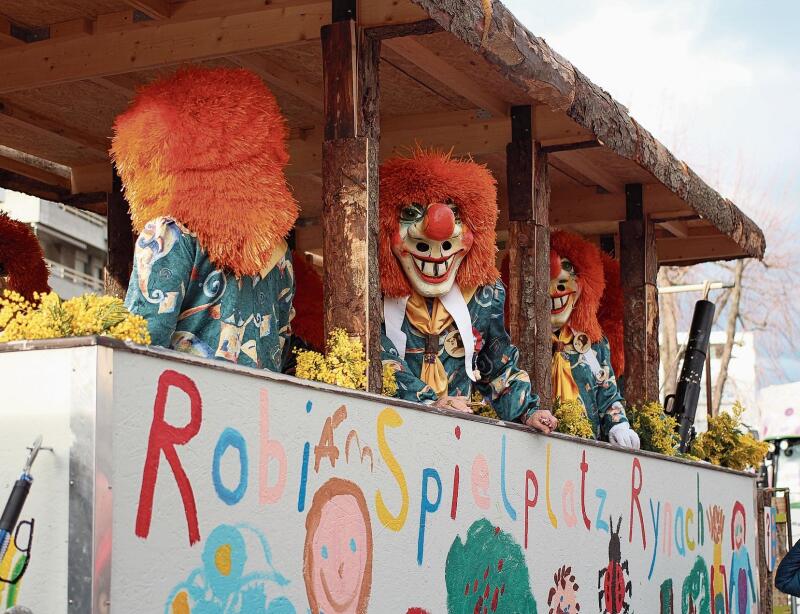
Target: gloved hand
(624, 436)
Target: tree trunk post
(121, 239)
(352, 298)
(639, 270)
(529, 252)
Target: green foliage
(481, 407)
(572, 419)
(726, 445)
(657, 431)
(488, 569)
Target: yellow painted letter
(389, 417)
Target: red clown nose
(440, 222)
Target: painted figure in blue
(444, 331)
(236, 577)
(581, 367)
(741, 571)
(201, 154)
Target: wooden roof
(68, 67)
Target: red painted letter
(635, 490)
(584, 469)
(530, 480)
(165, 437)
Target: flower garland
(47, 317)
(344, 364)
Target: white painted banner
(242, 493)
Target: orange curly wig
(434, 176)
(586, 259)
(610, 314)
(208, 148)
(308, 317)
(21, 258)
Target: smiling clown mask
(577, 282)
(437, 225)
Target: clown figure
(201, 155)
(444, 332)
(581, 368)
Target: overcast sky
(717, 81)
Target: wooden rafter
(286, 80)
(117, 84)
(445, 73)
(155, 9)
(31, 120)
(72, 28)
(33, 172)
(676, 228)
(581, 166)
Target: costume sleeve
(409, 386)
(502, 382)
(286, 297)
(787, 578)
(609, 401)
(162, 266)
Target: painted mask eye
(567, 266)
(454, 208)
(411, 213)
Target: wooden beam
(108, 53)
(529, 252)
(350, 188)
(34, 172)
(286, 80)
(638, 271)
(115, 84)
(580, 164)
(30, 120)
(92, 178)
(676, 228)
(71, 29)
(445, 73)
(121, 241)
(155, 9)
(683, 252)
(7, 39)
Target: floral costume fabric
(597, 386)
(193, 307)
(500, 381)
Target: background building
(74, 241)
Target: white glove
(623, 435)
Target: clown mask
(564, 291)
(431, 243)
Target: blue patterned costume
(501, 382)
(191, 306)
(597, 385)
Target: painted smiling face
(430, 245)
(338, 553)
(564, 291)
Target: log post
(121, 240)
(639, 269)
(350, 183)
(529, 251)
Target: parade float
(171, 482)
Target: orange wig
(586, 259)
(22, 259)
(308, 317)
(433, 176)
(610, 314)
(207, 147)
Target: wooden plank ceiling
(69, 67)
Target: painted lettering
(636, 489)
(550, 514)
(270, 449)
(530, 502)
(390, 418)
(164, 437)
(568, 494)
(427, 506)
(584, 470)
(512, 513)
(480, 482)
(601, 524)
(230, 438)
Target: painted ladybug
(615, 585)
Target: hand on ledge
(457, 403)
(543, 421)
(624, 436)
